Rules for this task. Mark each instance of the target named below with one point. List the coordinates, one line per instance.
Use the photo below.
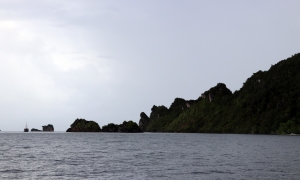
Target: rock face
(161, 116)
(126, 126)
(144, 121)
(82, 125)
(48, 127)
(218, 93)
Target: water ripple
(147, 156)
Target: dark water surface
(148, 156)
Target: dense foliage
(126, 126)
(82, 125)
(268, 103)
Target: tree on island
(82, 125)
(126, 126)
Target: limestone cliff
(144, 121)
(48, 127)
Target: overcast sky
(110, 60)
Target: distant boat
(26, 129)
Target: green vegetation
(82, 125)
(268, 103)
(126, 126)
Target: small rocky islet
(46, 128)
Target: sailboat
(26, 129)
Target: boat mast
(26, 128)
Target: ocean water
(148, 156)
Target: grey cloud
(110, 60)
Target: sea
(182, 156)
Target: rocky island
(267, 103)
(82, 125)
(48, 128)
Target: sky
(110, 60)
